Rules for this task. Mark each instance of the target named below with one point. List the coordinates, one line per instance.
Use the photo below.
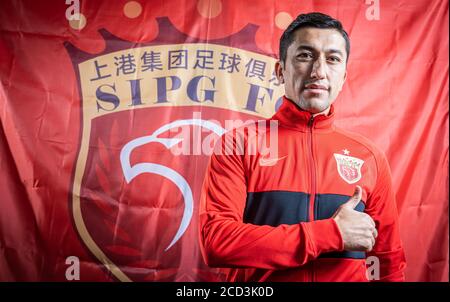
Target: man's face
(315, 68)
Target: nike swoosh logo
(265, 162)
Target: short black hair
(316, 20)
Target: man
(326, 203)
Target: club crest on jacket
(349, 167)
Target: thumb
(355, 199)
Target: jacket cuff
(325, 236)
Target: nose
(318, 69)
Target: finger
(355, 199)
(368, 245)
(370, 220)
(375, 233)
(373, 242)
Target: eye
(304, 55)
(334, 59)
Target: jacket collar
(291, 116)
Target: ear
(279, 71)
(343, 81)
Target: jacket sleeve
(381, 206)
(226, 241)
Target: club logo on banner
(133, 198)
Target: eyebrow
(312, 49)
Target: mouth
(316, 88)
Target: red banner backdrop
(104, 107)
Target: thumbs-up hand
(357, 229)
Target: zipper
(312, 166)
(312, 169)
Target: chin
(314, 105)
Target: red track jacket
(269, 218)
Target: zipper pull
(311, 121)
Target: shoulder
(364, 142)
